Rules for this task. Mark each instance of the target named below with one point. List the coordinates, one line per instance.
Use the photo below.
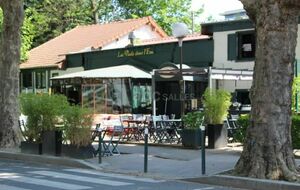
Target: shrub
(193, 120)
(43, 112)
(244, 121)
(77, 125)
(216, 104)
(296, 131)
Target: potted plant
(191, 133)
(216, 104)
(31, 128)
(43, 112)
(77, 122)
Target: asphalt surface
(16, 175)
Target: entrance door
(168, 98)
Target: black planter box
(191, 138)
(83, 152)
(52, 142)
(217, 136)
(31, 147)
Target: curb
(245, 183)
(43, 159)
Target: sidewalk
(164, 163)
(167, 162)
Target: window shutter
(231, 47)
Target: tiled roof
(190, 37)
(51, 53)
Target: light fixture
(179, 31)
(131, 37)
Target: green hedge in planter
(240, 134)
(296, 131)
(43, 111)
(193, 120)
(191, 133)
(77, 125)
(244, 121)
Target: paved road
(23, 176)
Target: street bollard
(100, 146)
(146, 151)
(203, 149)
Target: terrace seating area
(129, 128)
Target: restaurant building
(122, 80)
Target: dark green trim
(232, 47)
(210, 28)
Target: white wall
(220, 53)
(298, 44)
(142, 33)
(221, 61)
(231, 85)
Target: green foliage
(240, 134)
(244, 121)
(27, 34)
(51, 18)
(43, 112)
(77, 125)
(295, 131)
(165, 13)
(295, 90)
(193, 120)
(216, 104)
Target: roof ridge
(148, 20)
(90, 25)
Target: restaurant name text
(132, 53)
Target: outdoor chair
(128, 130)
(110, 145)
(138, 126)
(231, 124)
(95, 132)
(22, 125)
(159, 128)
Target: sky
(215, 7)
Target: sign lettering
(133, 53)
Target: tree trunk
(95, 9)
(268, 149)
(9, 72)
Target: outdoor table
(135, 128)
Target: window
(241, 46)
(40, 79)
(246, 45)
(27, 79)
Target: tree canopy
(164, 12)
